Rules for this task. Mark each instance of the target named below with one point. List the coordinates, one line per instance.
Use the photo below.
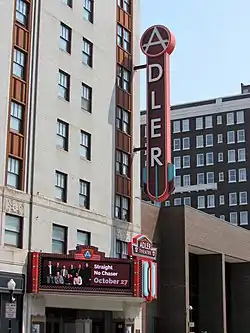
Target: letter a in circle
(159, 41)
(87, 254)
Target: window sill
(86, 65)
(85, 159)
(86, 111)
(62, 99)
(121, 221)
(64, 51)
(12, 247)
(84, 208)
(61, 149)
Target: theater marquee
(84, 270)
(157, 43)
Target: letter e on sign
(157, 43)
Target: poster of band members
(83, 274)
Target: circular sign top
(156, 41)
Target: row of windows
(123, 82)
(123, 40)
(235, 218)
(234, 199)
(209, 178)
(232, 118)
(88, 8)
(13, 236)
(122, 204)
(208, 159)
(209, 140)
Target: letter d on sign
(159, 70)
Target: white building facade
(69, 122)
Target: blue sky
(212, 54)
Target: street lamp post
(11, 287)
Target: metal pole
(10, 328)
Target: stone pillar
(212, 301)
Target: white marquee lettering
(150, 73)
(155, 154)
(155, 127)
(153, 103)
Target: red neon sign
(157, 43)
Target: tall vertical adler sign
(157, 43)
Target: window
(177, 201)
(230, 137)
(219, 120)
(14, 173)
(121, 249)
(221, 177)
(242, 175)
(231, 156)
(240, 117)
(177, 162)
(87, 52)
(185, 125)
(19, 64)
(64, 85)
(199, 123)
(16, 117)
(233, 199)
(123, 78)
(199, 141)
(176, 126)
(210, 158)
(62, 135)
(123, 38)
(122, 163)
(67, 2)
(220, 157)
(200, 202)
(243, 198)
(177, 144)
(200, 179)
(123, 120)
(219, 138)
(210, 177)
(209, 121)
(186, 161)
(22, 12)
(186, 180)
(88, 10)
(241, 155)
(243, 217)
(210, 201)
(177, 181)
(122, 208)
(222, 200)
(65, 38)
(85, 145)
(187, 201)
(209, 140)
(13, 231)
(230, 118)
(59, 239)
(86, 99)
(185, 143)
(233, 218)
(241, 135)
(61, 186)
(83, 237)
(232, 176)
(199, 160)
(84, 194)
(125, 5)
